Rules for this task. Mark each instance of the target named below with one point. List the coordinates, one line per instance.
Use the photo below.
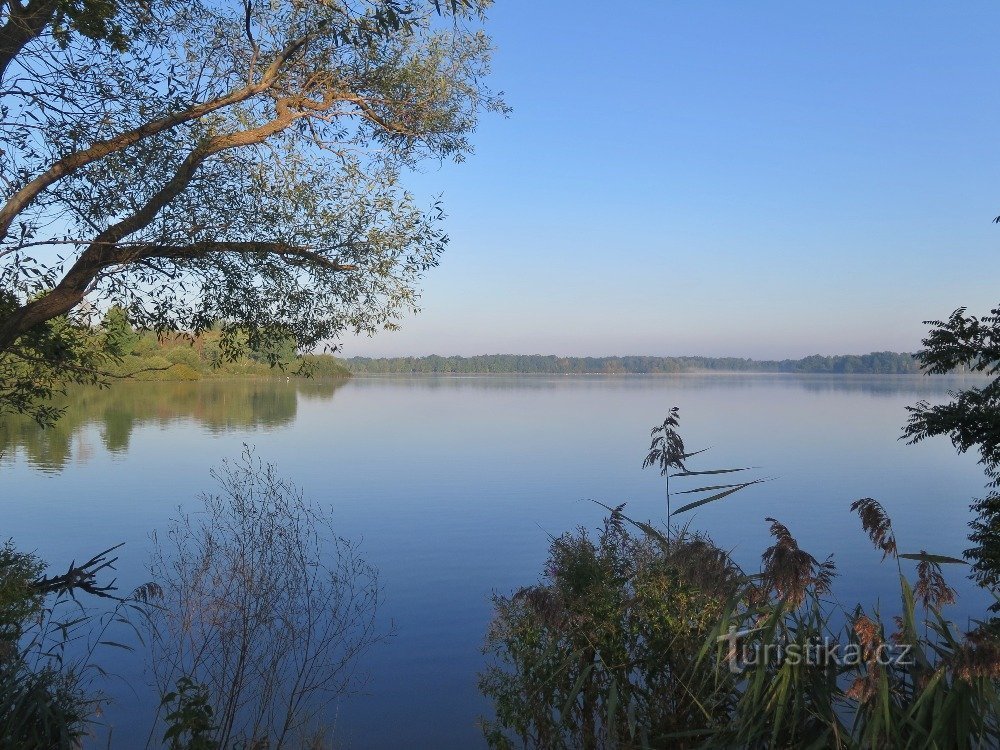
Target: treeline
(143, 355)
(876, 363)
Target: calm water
(453, 485)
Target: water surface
(453, 485)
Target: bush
(636, 642)
(264, 613)
(186, 355)
(159, 368)
(181, 371)
(321, 366)
(646, 638)
(44, 701)
(605, 647)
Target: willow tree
(233, 163)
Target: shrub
(643, 638)
(321, 366)
(44, 696)
(264, 614)
(181, 371)
(184, 354)
(605, 646)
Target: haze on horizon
(769, 180)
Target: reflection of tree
(218, 405)
(875, 385)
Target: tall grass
(639, 638)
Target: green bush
(184, 354)
(321, 366)
(181, 371)
(634, 641)
(643, 638)
(605, 647)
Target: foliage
(971, 419)
(66, 352)
(188, 718)
(42, 363)
(119, 336)
(321, 366)
(47, 644)
(264, 613)
(938, 689)
(717, 657)
(187, 357)
(603, 649)
(585, 660)
(536, 364)
(109, 21)
(227, 163)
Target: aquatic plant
(639, 639)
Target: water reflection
(220, 406)
(215, 405)
(876, 385)
(482, 471)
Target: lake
(452, 485)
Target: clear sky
(743, 178)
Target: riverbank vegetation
(253, 624)
(876, 363)
(112, 350)
(646, 636)
(634, 640)
(145, 355)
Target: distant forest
(876, 363)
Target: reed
(645, 637)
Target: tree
(238, 162)
(43, 360)
(94, 19)
(119, 336)
(971, 419)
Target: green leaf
(571, 699)
(939, 559)
(712, 498)
(713, 471)
(706, 489)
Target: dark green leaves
(717, 496)
(938, 559)
(711, 471)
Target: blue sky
(750, 179)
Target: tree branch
(70, 163)
(105, 250)
(144, 251)
(24, 23)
